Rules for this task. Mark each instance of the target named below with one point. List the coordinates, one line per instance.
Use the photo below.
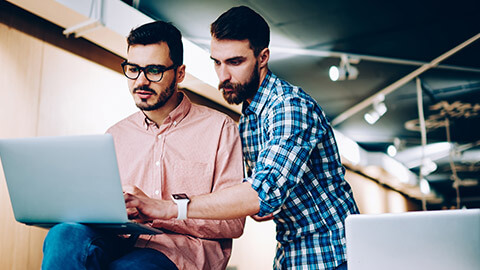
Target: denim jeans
(76, 246)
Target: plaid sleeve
(292, 132)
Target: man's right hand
(132, 212)
(141, 208)
(134, 190)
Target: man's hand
(132, 212)
(134, 190)
(142, 208)
(260, 219)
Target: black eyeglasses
(153, 73)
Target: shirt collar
(261, 97)
(175, 116)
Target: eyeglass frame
(142, 69)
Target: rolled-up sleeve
(291, 133)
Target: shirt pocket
(191, 177)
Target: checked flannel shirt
(295, 167)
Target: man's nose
(223, 73)
(142, 79)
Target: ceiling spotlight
(428, 166)
(378, 110)
(391, 150)
(424, 186)
(344, 71)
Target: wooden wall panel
(21, 58)
(45, 90)
(20, 77)
(79, 96)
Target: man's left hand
(264, 218)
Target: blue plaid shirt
(291, 152)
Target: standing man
(295, 171)
(288, 145)
(168, 148)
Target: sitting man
(170, 146)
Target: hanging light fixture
(344, 71)
(378, 110)
(428, 166)
(424, 186)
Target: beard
(162, 98)
(241, 92)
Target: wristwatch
(181, 200)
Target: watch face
(180, 196)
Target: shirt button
(175, 123)
(159, 136)
(157, 163)
(157, 192)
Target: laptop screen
(437, 240)
(61, 179)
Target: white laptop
(438, 240)
(67, 179)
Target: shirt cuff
(265, 208)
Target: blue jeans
(76, 246)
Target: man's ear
(263, 57)
(180, 73)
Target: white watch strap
(182, 209)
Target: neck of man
(159, 115)
(262, 74)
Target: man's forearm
(234, 202)
(230, 203)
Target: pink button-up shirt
(196, 150)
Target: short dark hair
(156, 32)
(240, 23)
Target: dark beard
(241, 92)
(163, 97)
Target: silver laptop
(447, 239)
(67, 179)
